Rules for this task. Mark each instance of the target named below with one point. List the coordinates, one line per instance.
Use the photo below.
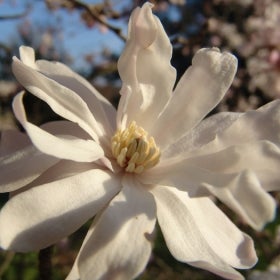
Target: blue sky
(78, 39)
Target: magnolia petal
(102, 110)
(246, 197)
(205, 132)
(144, 66)
(73, 149)
(184, 175)
(261, 124)
(22, 167)
(236, 175)
(198, 233)
(62, 169)
(62, 100)
(65, 128)
(12, 140)
(261, 157)
(27, 56)
(42, 215)
(199, 90)
(119, 246)
(74, 273)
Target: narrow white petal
(102, 110)
(22, 167)
(200, 89)
(11, 141)
(145, 70)
(238, 176)
(119, 244)
(261, 124)
(27, 55)
(205, 132)
(44, 214)
(65, 128)
(62, 100)
(261, 157)
(247, 198)
(73, 149)
(198, 233)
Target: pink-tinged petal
(199, 90)
(22, 167)
(62, 100)
(119, 245)
(144, 66)
(198, 233)
(236, 175)
(42, 215)
(60, 147)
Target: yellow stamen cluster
(134, 150)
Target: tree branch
(95, 16)
(15, 16)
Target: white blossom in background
(272, 273)
(155, 158)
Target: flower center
(134, 150)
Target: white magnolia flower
(155, 158)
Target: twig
(45, 263)
(95, 15)
(15, 16)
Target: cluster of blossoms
(154, 159)
(256, 38)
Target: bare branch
(95, 15)
(15, 16)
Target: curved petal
(62, 100)
(42, 215)
(73, 149)
(261, 157)
(27, 56)
(65, 128)
(237, 175)
(60, 170)
(22, 167)
(255, 125)
(145, 70)
(205, 132)
(199, 90)
(198, 233)
(103, 111)
(12, 140)
(246, 197)
(118, 245)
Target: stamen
(134, 150)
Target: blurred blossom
(154, 159)
(272, 273)
(7, 88)
(255, 37)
